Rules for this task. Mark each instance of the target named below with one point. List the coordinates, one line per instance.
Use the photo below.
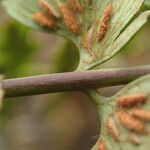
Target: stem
(71, 81)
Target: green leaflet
(92, 51)
(23, 12)
(123, 38)
(118, 33)
(108, 108)
(123, 11)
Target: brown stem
(72, 81)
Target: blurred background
(61, 121)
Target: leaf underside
(139, 86)
(117, 35)
(119, 30)
(122, 39)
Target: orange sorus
(70, 19)
(112, 129)
(130, 122)
(75, 5)
(47, 9)
(44, 21)
(134, 139)
(101, 146)
(131, 100)
(141, 114)
(104, 22)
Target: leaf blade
(22, 12)
(123, 39)
(108, 111)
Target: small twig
(72, 81)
